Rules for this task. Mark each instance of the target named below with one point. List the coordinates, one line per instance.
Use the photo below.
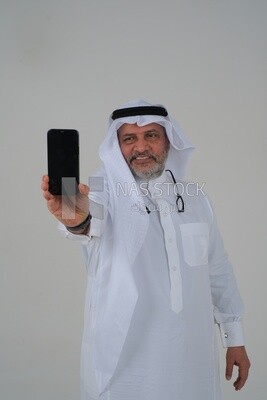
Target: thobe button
(170, 240)
(174, 267)
(226, 335)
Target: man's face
(144, 148)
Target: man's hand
(237, 356)
(71, 211)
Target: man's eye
(153, 135)
(128, 139)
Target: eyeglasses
(179, 199)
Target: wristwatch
(81, 226)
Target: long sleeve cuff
(95, 231)
(232, 334)
(83, 239)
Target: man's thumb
(84, 189)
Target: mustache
(142, 154)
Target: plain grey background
(68, 64)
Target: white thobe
(169, 352)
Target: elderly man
(159, 279)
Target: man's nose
(141, 145)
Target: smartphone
(63, 161)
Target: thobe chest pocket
(195, 239)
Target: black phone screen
(63, 161)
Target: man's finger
(45, 182)
(229, 369)
(241, 379)
(47, 195)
